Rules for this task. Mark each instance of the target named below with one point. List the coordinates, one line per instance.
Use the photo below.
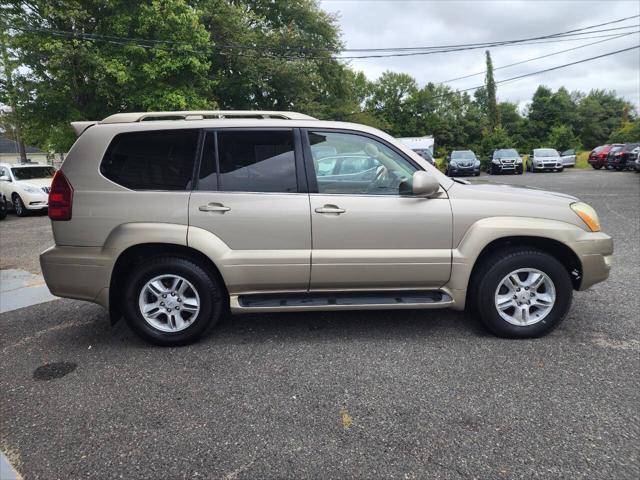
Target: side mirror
(424, 184)
(5, 178)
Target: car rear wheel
(521, 293)
(172, 301)
(18, 206)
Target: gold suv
(171, 219)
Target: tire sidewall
(208, 292)
(18, 206)
(509, 263)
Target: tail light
(60, 198)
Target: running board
(292, 302)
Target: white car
(568, 158)
(26, 186)
(542, 159)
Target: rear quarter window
(156, 160)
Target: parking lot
(404, 394)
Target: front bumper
(457, 170)
(547, 166)
(595, 252)
(34, 201)
(82, 273)
(507, 167)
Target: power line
(255, 54)
(408, 51)
(519, 77)
(538, 58)
(558, 67)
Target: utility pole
(8, 76)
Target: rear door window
(156, 160)
(249, 161)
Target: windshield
(28, 173)
(505, 153)
(545, 152)
(463, 155)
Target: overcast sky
(382, 23)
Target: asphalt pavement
(406, 394)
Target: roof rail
(202, 114)
(133, 117)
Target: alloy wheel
(525, 296)
(169, 303)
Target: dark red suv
(598, 156)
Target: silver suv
(171, 219)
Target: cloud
(378, 24)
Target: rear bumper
(595, 251)
(82, 273)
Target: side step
(340, 301)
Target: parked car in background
(622, 158)
(611, 154)
(542, 159)
(426, 154)
(26, 186)
(3, 208)
(598, 156)
(462, 162)
(252, 225)
(505, 160)
(636, 154)
(568, 158)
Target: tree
(600, 113)
(628, 133)
(72, 77)
(492, 104)
(391, 101)
(562, 138)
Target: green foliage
(600, 113)
(493, 113)
(256, 54)
(629, 132)
(562, 138)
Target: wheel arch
(555, 248)
(134, 255)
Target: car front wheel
(18, 206)
(521, 293)
(172, 301)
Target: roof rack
(134, 117)
(202, 114)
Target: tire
(208, 290)
(596, 167)
(560, 170)
(3, 209)
(489, 277)
(18, 206)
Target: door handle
(214, 207)
(330, 209)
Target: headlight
(477, 164)
(30, 189)
(588, 215)
(519, 160)
(496, 161)
(453, 163)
